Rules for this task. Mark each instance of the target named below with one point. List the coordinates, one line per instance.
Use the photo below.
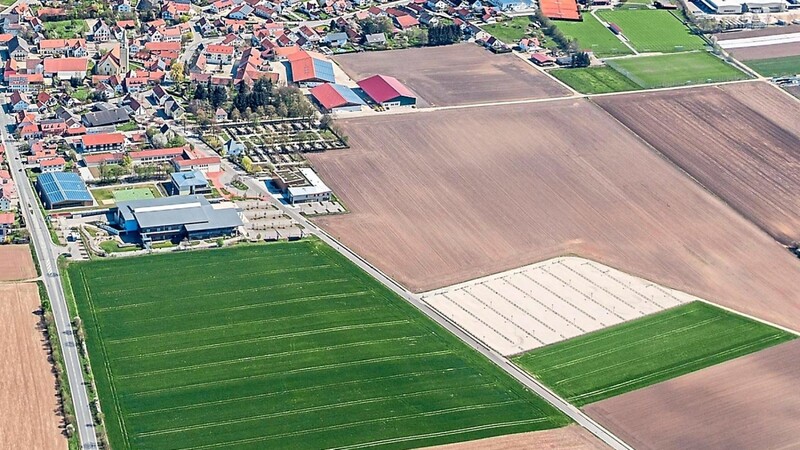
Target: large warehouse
(743, 6)
(62, 190)
(175, 217)
(387, 91)
(336, 98)
(308, 70)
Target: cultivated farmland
(434, 204)
(281, 346)
(653, 30)
(776, 67)
(595, 80)
(16, 263)
(750, 402)
(28, 397)
(646, 351)
(679, 69)
(571, 437)
(456, 74)
(740, 141)
(593, 36)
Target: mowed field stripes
(281, 346)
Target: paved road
(48, 254)
(574, 413)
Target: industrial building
(336, 98)
(743, 6)
(62, 190)
(175, 218)
(303, 185)
(387, 91)
(307, 70)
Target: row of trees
(553, 32)
(216, 96)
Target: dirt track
(28, 402)
(459, 74)
(740, 141)
(16, 263)
(572, 437)
(750, 402)
(439, 198)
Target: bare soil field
(28, 396)
(766, 51)
(572, 437)
(749, 402)
(741, 141)
(770, 31)
(448, 196)
(452, 75)
(16, 263)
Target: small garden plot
(595, 80)
(653, 30)
(680, 69)
(593, 36)
(776, 67)
(289, 346)
(509, 31)
(647, 351)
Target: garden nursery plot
(646, 351)
(653, 31)
(281, 346)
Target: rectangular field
(752, 54)
(647, 351)
(109, 196)
(750, 402)
(443, 197)
(571, 437)
(282, 346)
(776, 67)
(16, 263)
(593, 36)
(509, 31)
(458, 74)
(548, 302)
(28, 395)
(741, 141)
(595, 80)
(679, 69)
(653, 30)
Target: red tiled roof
(53, 65)
(173, 151)
(197, 161)
(100, 157)
(52, 162)
(406, 21)
(328, 96)
(220, 49)
(382, 88)
(6, 218)
(91, 140)
(162, 46)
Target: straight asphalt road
(523, 377)
(47, 254)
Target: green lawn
(284, 345)
(592, 35)
(109, 196)
(128, 126)
(677, 69)
(82, 93)
(776, 67)
(66, 29)
(595, 80)
(509, 31)
(111, 246)
(653, 30)
(7, 2)
(646, 351)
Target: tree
(581, 59)
(247, 164)
(218, 96)
(200, 92)
(159, 141)
(177, 73)
(127, 161)
(176, 141)
(444, 34)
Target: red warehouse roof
(382, 88)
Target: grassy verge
(112, 246)
(647, 351)
(595, 80)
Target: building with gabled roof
(62, 190)
(387, 91)
(101, 142)
(336, 98)
(308, 70)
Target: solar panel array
(323, 70)
(347, 94)
(63, 187)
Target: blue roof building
(63, 190)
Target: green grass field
(776, 67)
(283, 345)
(595, 80)
(509, 31)
(653, 30)
(66, 29)
(592, 35)
(109, 196)
(646, 351)
(677, 69)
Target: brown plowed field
(572, 437)
(16, 263)
(747, 403)
(766, 51)
(741, 141)
(452, 75)
(28, 402)
(448, 196)
(770, 31)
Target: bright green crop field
(676, 69)
(595, 80)
(776, 67)
(653, 30)
(646, 351)
(284, 345)
(593, 36)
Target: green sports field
(776, 67)
(595, 80)
(646, 351)
(284, 345)
(593, 36)
(125, 195)
(653, 30)
(109, 196)
(677, 69)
